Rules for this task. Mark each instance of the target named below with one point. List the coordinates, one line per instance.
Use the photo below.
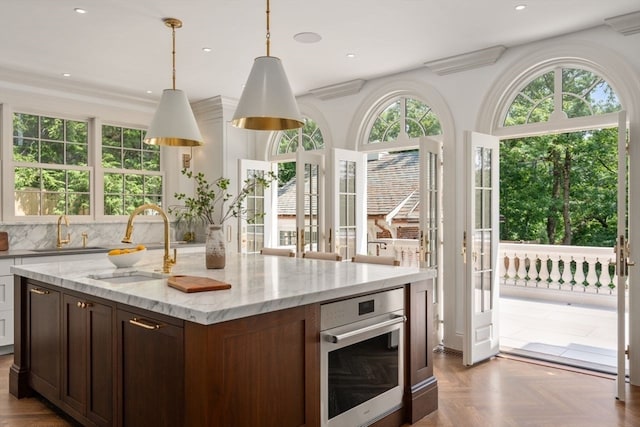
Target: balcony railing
(581, 271)
(566, 268)
(406, 251)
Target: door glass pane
(486, 209)
(254, 204)
(311, 207)
(477, 297)
(347, 209)
(482, 237)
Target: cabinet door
(43, 329)
(100, 363)
(6, 310)
(150, 371)
(74, 370)
(257, 371)
(87, 384)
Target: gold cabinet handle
(81, 304)
(144, 324)
(38, 291)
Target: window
(132, 174)
(582, 93)
(311, 138)
(405, 116)
(50, 160)
(287, 238)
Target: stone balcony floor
(572, 334)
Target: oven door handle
(396, 318)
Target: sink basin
(127, 276)
(71, 249)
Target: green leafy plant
(213, 204)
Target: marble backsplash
(43, 236)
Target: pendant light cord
(268, 30)
(173, 55)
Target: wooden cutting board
(196, 283)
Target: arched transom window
(404, 118)
(562, 93)
(311, 138)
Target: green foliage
(208, 203)
(414, 116)
(311, 138)
(123, 148)
(527, 201)
(286, 172)
(583, 94)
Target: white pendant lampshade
(267, 102)
(173, 123)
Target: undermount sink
(127, 276)
(71, 249)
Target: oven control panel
(344, 312)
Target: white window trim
(96, 171)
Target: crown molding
(625, 24)
(24, 81)
(466, 61)
(341, 89)
(215, 108)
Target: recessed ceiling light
(206, 49)
(307, 37)
(66, 74)
(80, 10)
(521, 7)
(149, 91)
(351, 55)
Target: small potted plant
(212, 205)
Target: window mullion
(97, 171)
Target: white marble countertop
(259, 283)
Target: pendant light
(173, 123)
(267, 102)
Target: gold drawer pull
(144, 324)
(38, 291)
(81, 304)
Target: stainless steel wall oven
(362, 354)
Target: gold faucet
(168, 262)
(60, 241)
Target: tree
(560, 189)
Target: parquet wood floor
(499, 393)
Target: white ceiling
(123, 45)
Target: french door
(347, 219)
(431, 221)
(622, 254)
(310, 194)
(257, 227)
(480, 249)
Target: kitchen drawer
(6, 293)
(5, 265)
(6, 327)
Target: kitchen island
(119, 347)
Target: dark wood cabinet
(150, 370)
(421, 395)
(257, 371)
(43, 340)
(87, 368)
